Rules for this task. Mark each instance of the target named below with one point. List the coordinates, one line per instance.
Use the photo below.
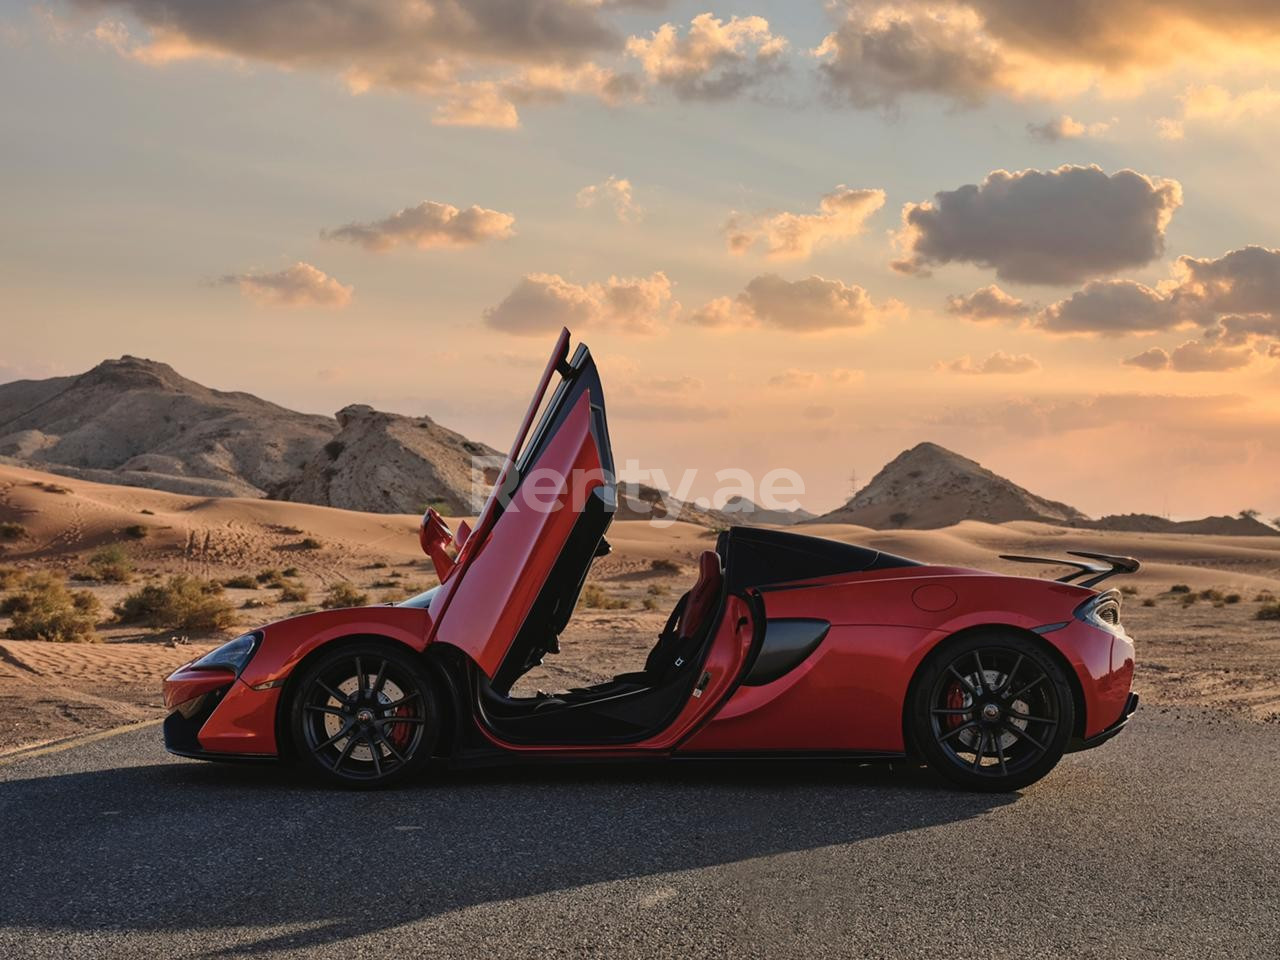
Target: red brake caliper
(955, 701)
(399, 732)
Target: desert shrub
(253, 603)
(51, 487)
(1180, 588)
(289, 572)
(110, 564)
(1149, 602)
(293, 593)
(241, 582)
(12, 531)
(1269, 612)
(310, 543)
(10, 577)
(147, 513)
(663, 565)
(655, 590)
(270, 575)
(136, 531)
(1212, 595)
(595, 598)
(649, 603)
(46, 610)
(376, 565)
(1189, 598)
(1232, 598)
(382, 584)
(344, 594)
(182, 602)
(1266, 596)
(1129, 590)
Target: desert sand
(1206, 653)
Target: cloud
(1217, 105)
(714, 60)
(545, 302)
(1053, 227)
(794, 379)
(1111, 308)
(1235, 330)
(793, 236)
(812, 305)
(1066, 128)
(1193, 356)
(425, 226)
(617, 193)
(880, 53)
(989, 303)
(1243, 281)
(300, 285)
(997, 363)
(966, 51)
(405, 44)
(481, 104)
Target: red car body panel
(881, 617)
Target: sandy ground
(1208, 653)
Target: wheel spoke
(360, 692)
(980, 750)
(952, 711)
(1008, 681)
(325, 708)
(1014, 714)
(401, 702)
(376, 753)
(341, 698)
(346, 752)
(1027, 687)
(413, 720)
(1000, 753)
(982, 674)
(1019, 732)
(391, 746)
(379, 680)
(964, 681)
(332, 740)
(960, 729)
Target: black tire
(991, 711)
(364, 715)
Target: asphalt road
(1163, 843)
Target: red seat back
(704, 598)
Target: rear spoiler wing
(1095, 572)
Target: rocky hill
(742, 510)
(930, 486)
(388, 463)
(140, 423)
(1149, 523)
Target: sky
(795, 235)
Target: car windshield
(423, 600)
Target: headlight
(1102, 611)
(233, 655)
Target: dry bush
(109, 564)
(293, 593)
(594, 597)
(289, 572)
(1180, 588)
(271, 577)
(1232, 598)
(253, 603)
(1149, 602)
(663, 565)
(1270, 612)
(45, 609)
(10, 577)
(343, 594)
(181, 603)
(241, 582)
(12, 531)
(50, 487)
(310, 543)
(649, 603)
(136, 531)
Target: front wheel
(365, 715)
(992, 712)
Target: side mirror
(435, 536)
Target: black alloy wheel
(365, 715)
(992, 712)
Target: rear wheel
(365, 715)
(992, 712)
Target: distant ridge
(930, 486)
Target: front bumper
(217, 717)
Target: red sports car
(786, 646)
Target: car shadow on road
(179, 845)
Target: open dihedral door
(518, 574)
